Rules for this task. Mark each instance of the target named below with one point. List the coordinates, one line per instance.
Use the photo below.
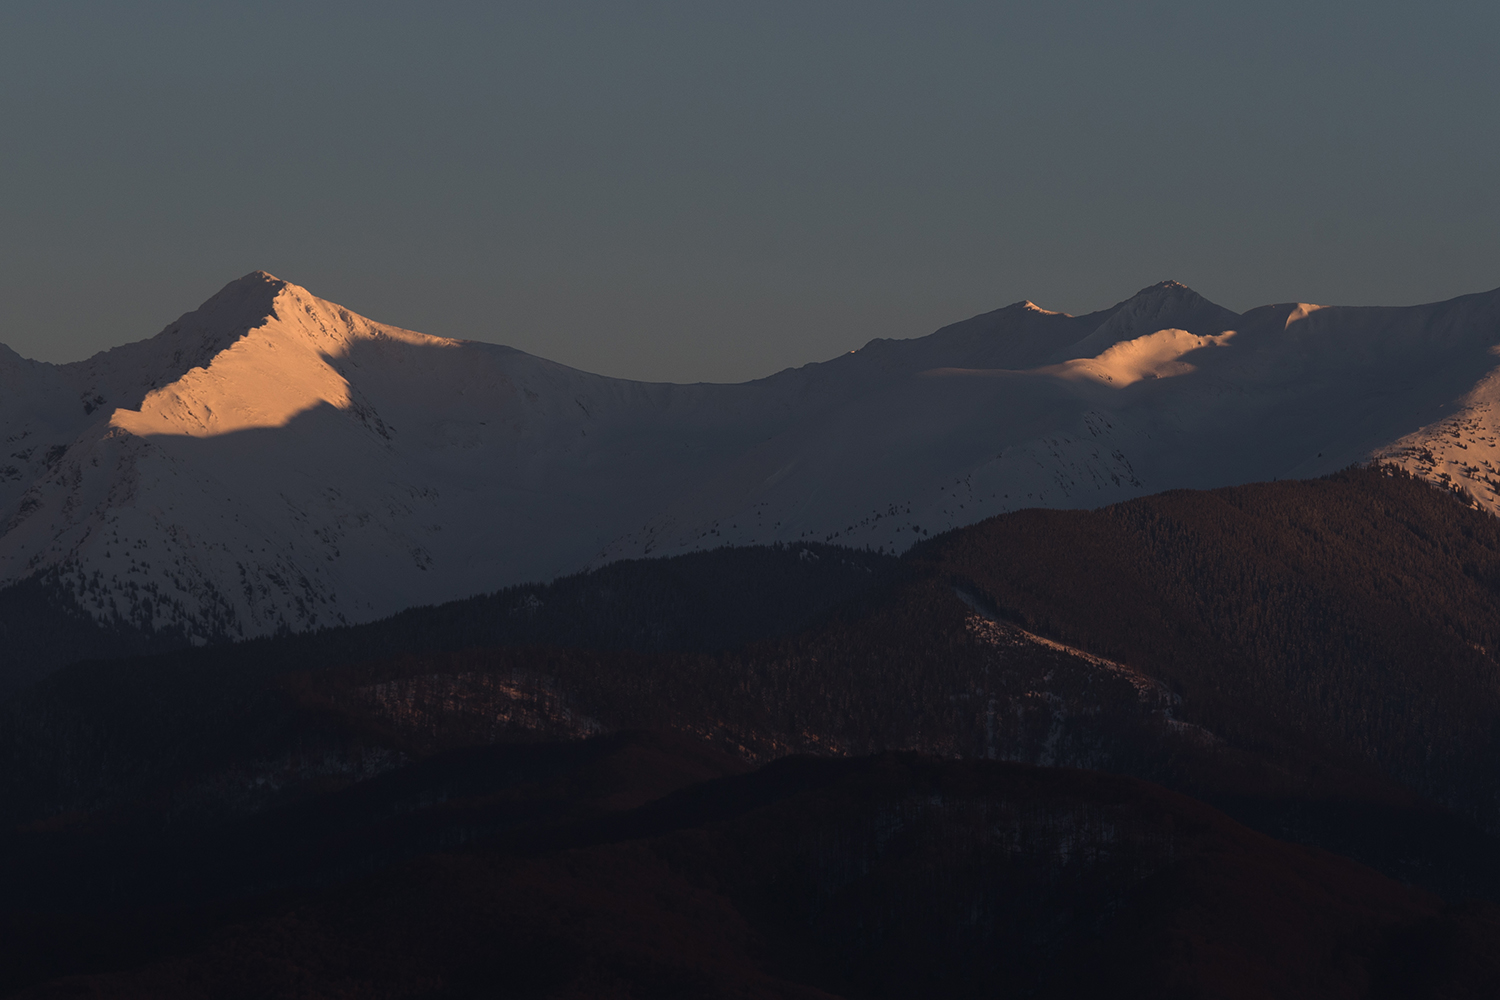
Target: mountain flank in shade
(1317, 658)
(890, 876)
(273, 461)
(1239, 739)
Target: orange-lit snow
(273, 460)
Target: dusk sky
(713, 191)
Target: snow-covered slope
(273, 461)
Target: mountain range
(1150, 652)
(1227, 743)
(274, 462)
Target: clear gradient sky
(715, 191)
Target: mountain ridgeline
(274, 462)
(881, 877)
(702, 601)
(676, 752)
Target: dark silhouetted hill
(888, 876)
(1315, 659)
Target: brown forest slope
(1359, 613)
(1314, 658)
(887, 876)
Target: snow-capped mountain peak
(274, 461)
(1166, 305)
(122, 376)
(285, 361)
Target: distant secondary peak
(1166, 305)
(1165, 287)
(1170, 296)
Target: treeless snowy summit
(273, 461)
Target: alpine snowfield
(273, 461)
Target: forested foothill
(1237, 742)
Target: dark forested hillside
(885, 876)
(703, 600)
(1317, 659)
(1360, 613)
(42, 628)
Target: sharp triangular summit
(274, 461)
(1166, 305)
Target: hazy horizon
(673, 192)
(797, 364)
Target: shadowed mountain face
(1312, 658)
(1361, 611)
(880, 877)
(274, 462)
